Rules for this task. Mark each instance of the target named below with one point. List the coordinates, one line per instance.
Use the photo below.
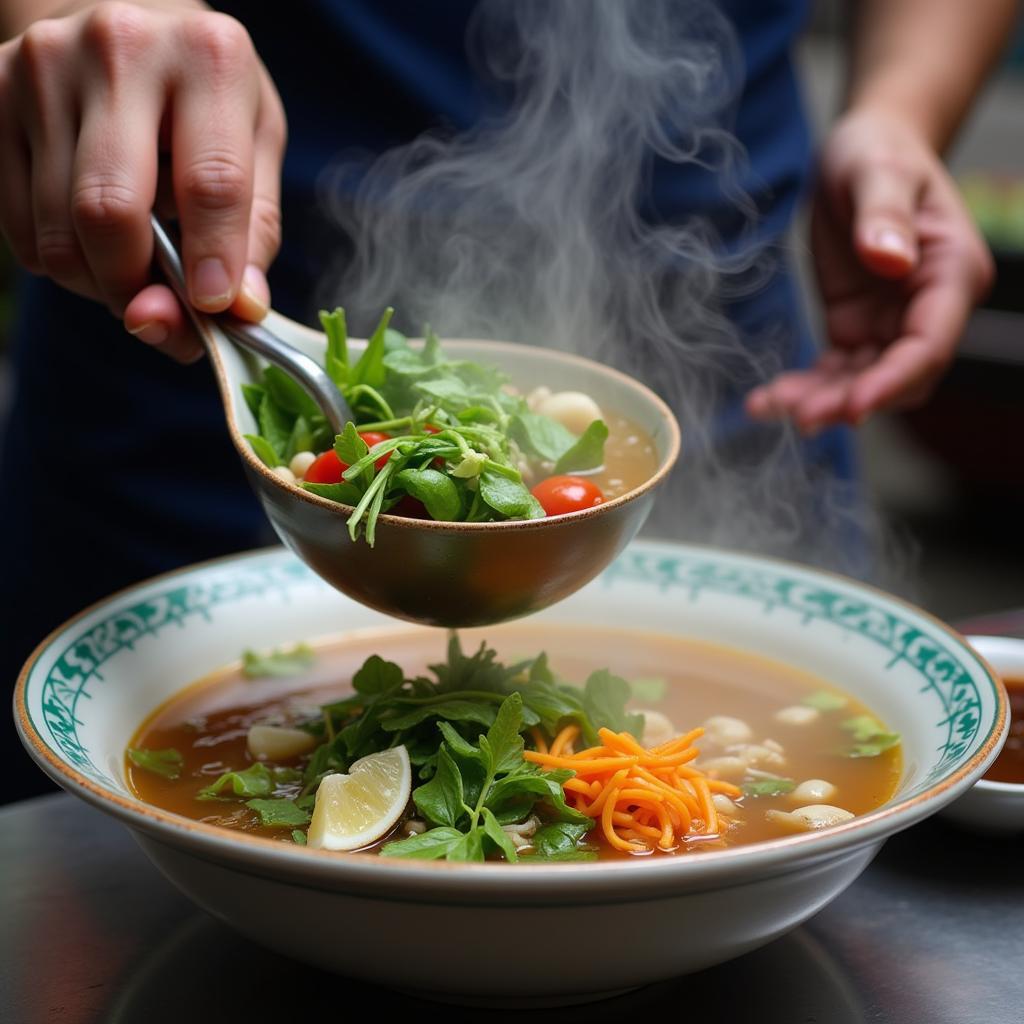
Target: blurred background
(949, 478)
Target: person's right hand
(91, 104)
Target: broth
(1009, 765)
(208, 722)
(630, 458)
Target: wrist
(897, 101)
(882, 127)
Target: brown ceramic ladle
(451, 574)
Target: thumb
(884, 203)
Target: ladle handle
(253, 337)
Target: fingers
(212, 136)
(812, 398)
(155, 317)
(113, 181)
(885, 199)
(43, 92)
(911, 366)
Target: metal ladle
(252, 337)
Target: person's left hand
(900, 266)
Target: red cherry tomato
(561, 494)
(372, 437)
(326, 469)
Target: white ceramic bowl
(501, 932)
(993, 808)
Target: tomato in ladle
(328, 468)
(559, 495)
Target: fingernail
(891, 241)
(211, 286)
(256, 292)
(152, 332)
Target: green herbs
(870, 738)
(477, 788)
(256, 780)
(279, 813)
(457, 439)
(465, 727)
(166, 763)
(277, 663)
(768, 787)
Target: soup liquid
(1009, 765)
(629, 459)
(208, 722)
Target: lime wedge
(357, 809)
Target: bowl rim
(214, 340)
(362, 873)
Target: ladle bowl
(454, 574)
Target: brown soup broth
(208, 722)
(1009, 765)
(630, 458)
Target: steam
(529, 227)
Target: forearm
(17, 15)
(923, 61)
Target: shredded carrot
(538, 740)
(644, 798)
(564, 739)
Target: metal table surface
(931, 933)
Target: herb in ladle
(460, 441)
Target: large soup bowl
(455, 574)
(499, 932)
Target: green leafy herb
(870, 737)
(604, 700)
(768, 787)
(299, 837)
(825, 700)
(431, 845)
(279, 813)
(337, 345)
(288, 395)
(254, 781)
(441, 800)
(253, 395)
(456, 440)
(560, 840)
(587, 452)
(541, 436)
(264, 450)
(277, 663)
(166, 763)
(464, 730)
(498, 835)
(343, 493)
(435, 489)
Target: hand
(900, 265)
(89, 104)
